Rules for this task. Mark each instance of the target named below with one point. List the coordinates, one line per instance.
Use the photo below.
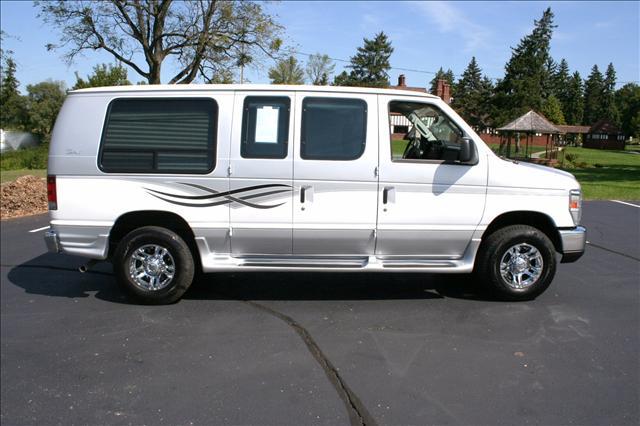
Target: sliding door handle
(306, 194)
(388, 195)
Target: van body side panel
(337, 213)
(261, 220)
(90, 200)
(433, 208)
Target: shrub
(28, 158)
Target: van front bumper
(573, 243)
(52, 241)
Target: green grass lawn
(9, 175)
(605, 175)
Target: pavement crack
(358, 414)
(614, 251)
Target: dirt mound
(24, 196)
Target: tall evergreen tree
(593, 97)
(573, 106)
(472, 95)
(12, 104)
(448, 76)
(560, 82)
(628, 102)
(370, 66)
(609, 108)
(523, 86)
(549, 78)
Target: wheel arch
(538, 220)
(137, 219)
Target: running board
(304, 262)
(417, 263)
(218, 262)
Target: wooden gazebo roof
(531, 122)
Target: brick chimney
(402, 81)
(443, 90)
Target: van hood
(527, 175)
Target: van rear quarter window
(333, 128)
(159, 136)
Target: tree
(342, 79)
(370, 65)
(552, 110)
(202, 36)
(628, 103)
(319, 69)
(548, 78)
(473, 95)
(609, 107)
(442, 75)
(103, 75)
(524, 84)
(287, 71)
(44, 101)
(560, 85)
(12, 104)
(593, 97)
(573, 106)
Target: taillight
(52, 195)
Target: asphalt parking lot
(300, 348)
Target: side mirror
(466, 150)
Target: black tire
(178, 262)
(495, 248)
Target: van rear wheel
(517, 262)
(154, 264)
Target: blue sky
(425, 35)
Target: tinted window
(159, 136)
(265, 127)
(333, 129)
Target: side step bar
(343, 262)
(359, 262)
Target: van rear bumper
(52, 241)
(573, 243)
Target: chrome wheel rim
(521, 266)
(151, 267)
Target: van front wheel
(518, 262)
(154, 264)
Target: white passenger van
(166, 180)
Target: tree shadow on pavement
(58, 276)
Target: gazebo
(531, 125)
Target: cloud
(603, 24)
(449, 19)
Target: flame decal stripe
(227, 198)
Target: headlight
(575, 205)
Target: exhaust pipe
(84, 268)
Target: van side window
(333, 129)
(422, 132)
(265, 127)
(159, 136)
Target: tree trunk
(154, 74)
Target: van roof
(246, 87)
